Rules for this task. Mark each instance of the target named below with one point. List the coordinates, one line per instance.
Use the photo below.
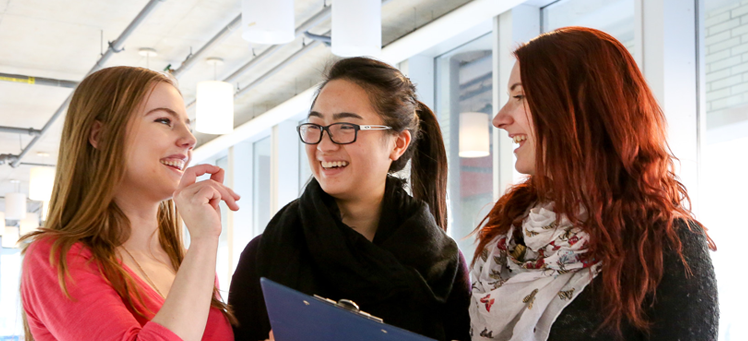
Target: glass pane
(724, 181)
(305, 172)
(222, 258)
(613, 17)
(261, 184)
(11, 322)
(464, 95)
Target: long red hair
(601, 144)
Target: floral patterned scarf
(519, 289)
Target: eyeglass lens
(339, 133)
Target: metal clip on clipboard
(295, 316)
(350, 306)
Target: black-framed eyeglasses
(340, 133)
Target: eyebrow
(170, 112)
(511, 88)
(338, 115)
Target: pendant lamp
(15, 206)
(474, 134)
(268, 22)
(357, 28)
(214, 110)
(41, 183)
(29, 224)
(10, 237)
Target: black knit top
(684, 308)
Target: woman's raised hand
(197, 202)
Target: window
(11, 323)
(222, 258)
(613, 17)
(261, 185)
(724, 181)
(305, 172)
(464, 107)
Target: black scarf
(403, 276)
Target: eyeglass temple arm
(374, 127)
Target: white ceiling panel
(63, 40)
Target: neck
(362, 213)
(143, 217)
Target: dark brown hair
(600, 145)
(393, 96)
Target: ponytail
(428, 170)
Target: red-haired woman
(597, 243)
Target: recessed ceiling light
(214, 61)
(42, 154)
(147, 52)
(15, 181)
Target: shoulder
(41, 272)
(694, 278)
(694, 244)
(247, 265)
(462, 278)
(43, 253)
(290, 211)
(252, 247)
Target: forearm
(185, 311)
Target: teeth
(178, 164)
(334, 164)
(519, 138)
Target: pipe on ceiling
(14, 130)
(37, 80)
(219, 37)
(310, 23)
(114, 47)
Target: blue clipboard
(297, 316)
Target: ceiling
(63, 40)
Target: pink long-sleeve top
(96, 311)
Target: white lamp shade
(15, 206)
(29, 224)
(41, 183)
(215, 107)
(474, 134)
(268, 21)
(357, 28)
(10, 236)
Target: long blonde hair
(82, 208)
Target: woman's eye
(164, 121)
(519, 97)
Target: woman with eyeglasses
(355, 233)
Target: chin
(523, 169)
(336, 190)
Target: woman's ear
(93, 138)
(402, 141)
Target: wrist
(209, 240)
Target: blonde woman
(109, 263)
